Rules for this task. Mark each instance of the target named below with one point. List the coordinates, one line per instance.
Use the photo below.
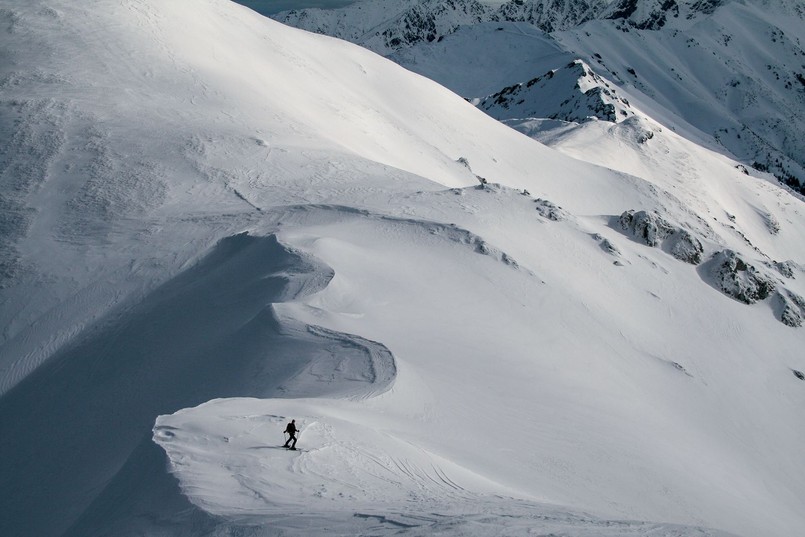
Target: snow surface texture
(732, 69)
(216, 223)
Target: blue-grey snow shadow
(75, 446)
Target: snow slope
(214, 223)
(478, 60)
(730, 68)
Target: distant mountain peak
(571, 93)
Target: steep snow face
(216, 222)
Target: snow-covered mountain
(214, 223)
(732, 69)
(572, 93)
(386, 27)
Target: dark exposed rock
(549, 210)
(653, 15)
(739, 279)
(551, 15)
(706, 6)
(558, 94)
(792, 312)
(686, 247)
(652, 230)
(649, 228)
(786, 268)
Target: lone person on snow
(291, 430)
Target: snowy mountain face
(372, 24)
(383, 30)
(550, 15)
(213, 223)
(730, 69)
(733, 70)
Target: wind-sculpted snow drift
(210, 332)
(357, 470)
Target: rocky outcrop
(649, 228)
(792, 308)
(550, 210)
(655, 14)
(739, 279)
(653, 230)
(686, 247)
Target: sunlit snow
(213, 223)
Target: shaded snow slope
(216, 222)
(478, 60)
(386, 27)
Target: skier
(291, 430)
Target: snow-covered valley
(214, 223)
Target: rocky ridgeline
(655, 14)
(792, 308)
(370, 23)
(726, 270)
(428, 22)
(572, 93)
(551, 15)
